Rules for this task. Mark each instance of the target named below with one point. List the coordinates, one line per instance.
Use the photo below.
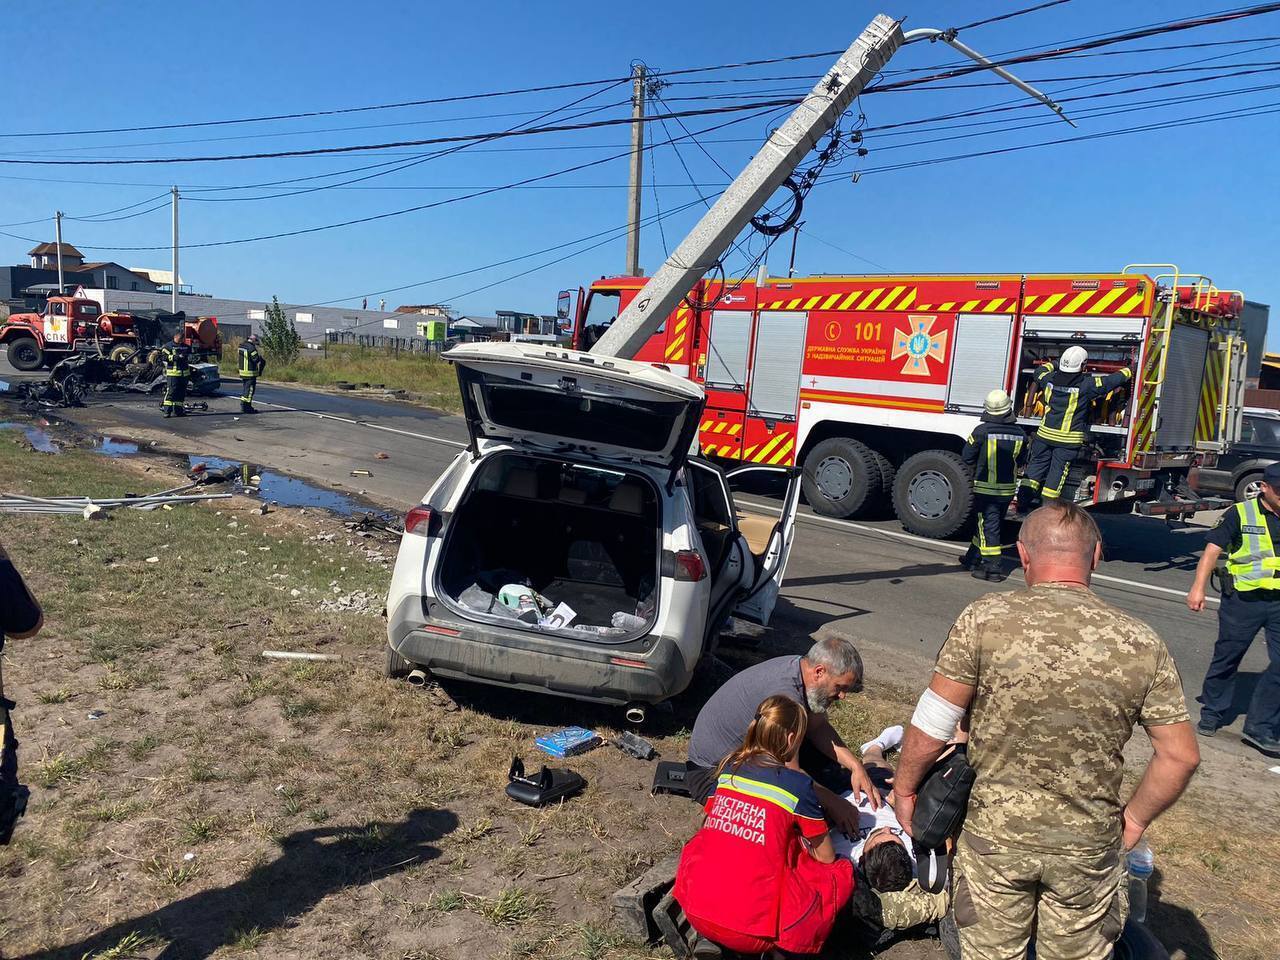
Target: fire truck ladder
(776, 160)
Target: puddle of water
(40, 441)
(286, 491)
(112, 447)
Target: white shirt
(868, 820)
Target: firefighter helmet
(997, 403)
(1073, 359)
(252, 338)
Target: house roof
(486, 322)
(52, 248)
(98, 265)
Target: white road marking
(363, 423)
(957, 548)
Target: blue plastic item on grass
(567, 742)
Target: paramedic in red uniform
(762, 871)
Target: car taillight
(422, 521)
(689, 566)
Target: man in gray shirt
(830, 669)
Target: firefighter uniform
(1247, 534)
(1064, 428)
(992, 452)
(177, 368)
(252, 364)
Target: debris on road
(568, 742)
(94, 508)
(296, 655)
(362, 473)
(635, 746)
(359, 601)
(382, 456)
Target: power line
(554, 128)
(396, 213)
(1010, 16)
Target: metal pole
(637, 170)
(173, 294)
(57, 238)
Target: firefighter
(992, 453)
(251, 366)
(177, 368)
(1066, 393)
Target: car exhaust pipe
(635, 713)
(417, 677)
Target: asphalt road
(897, 593)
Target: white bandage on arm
(936, 717)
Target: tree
(280, 340)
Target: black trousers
(175, 394)
(988, 533)
(1047, 469)
(248, 386)
(1240, 618)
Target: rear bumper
(648, 671)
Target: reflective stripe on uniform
(1254, 565)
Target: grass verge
(225, 805)
(428, 378)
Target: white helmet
(1073, 359)
(997, 403)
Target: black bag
(941, 803)
(551, 784)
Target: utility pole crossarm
(775, 161)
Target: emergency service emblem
(918, 344)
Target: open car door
(768, 531)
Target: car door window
(712, 511)
(1248, 430)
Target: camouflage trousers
(1073, 903)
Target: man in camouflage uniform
(1053, 680)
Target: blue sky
(1202, 197)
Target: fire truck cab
(872, 383)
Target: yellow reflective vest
(1253, 565)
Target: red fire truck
(70, 324)
(872, 383)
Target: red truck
(70, 323)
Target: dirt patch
(192, 798)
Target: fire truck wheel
(887, 473)
(932, 495)
(25, 354)
(121, 352)
(841, 477)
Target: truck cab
(42, 339)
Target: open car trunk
(579, 536)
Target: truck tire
(932, 495)
(887, 475)
(25, 354)
(840, 478)
(121, 352)
(395, 667)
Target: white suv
(578, 486)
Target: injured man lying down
(887, 895)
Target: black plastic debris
(550, 785)
(634, 746)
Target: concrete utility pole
(173, 294)
(57, 242)
(775, 161)
(637, 169)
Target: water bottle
(1141, 864)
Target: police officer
(1247, 534)
(177, 368)
(1067, 393)
(251, 366)
(992, 453)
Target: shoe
(704, 949)
(180, 413)
(1206, 729)
(989, 570)
(167, 414)
(969, 559)
(1268, 746)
